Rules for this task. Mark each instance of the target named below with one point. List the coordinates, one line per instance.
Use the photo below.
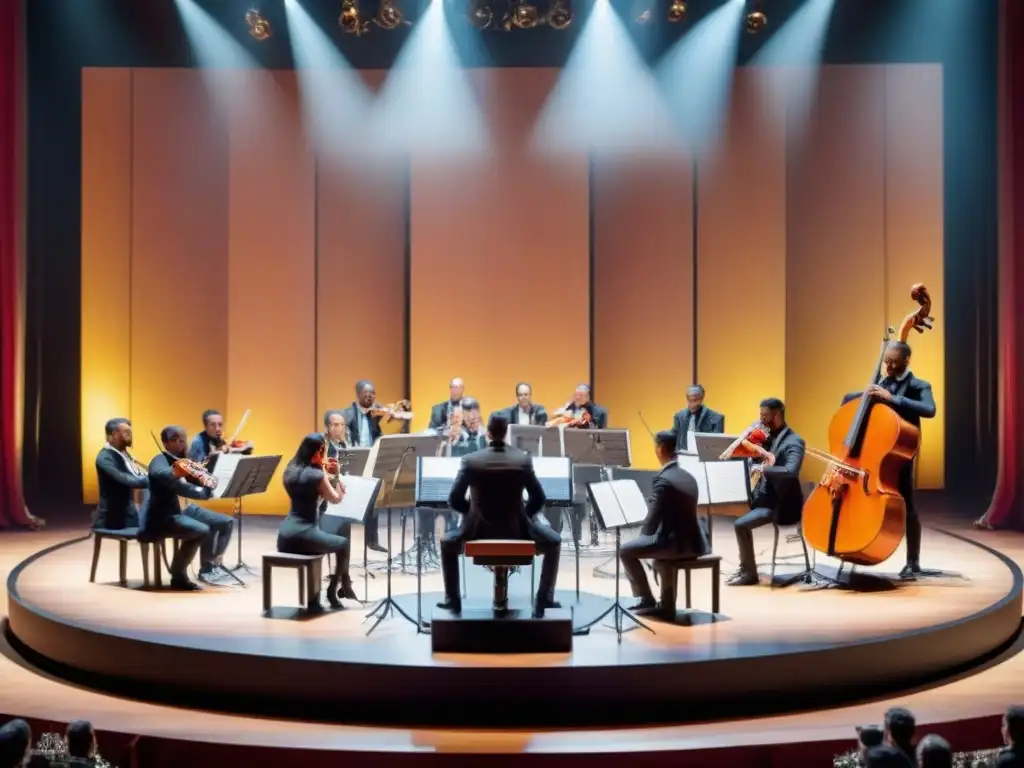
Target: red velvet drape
(1007, 508)
(12, 507)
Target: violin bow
(644, 422)
(245, 418)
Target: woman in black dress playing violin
(307, 479)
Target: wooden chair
(122, 536)
(309, 568)
(502, 557)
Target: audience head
(497, 427)
(869, 736)
(81, 739)
(934, 752)
(899, 728)
(886, 756)
(119, 433)
(15, 740)
(695, 398)
(1013, 726)
(665, 446)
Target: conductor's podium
(501, 628)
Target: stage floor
(812, 646)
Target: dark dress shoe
(184, 585)
(347, 591)
(547, 601)
(315, 608)
(448, 604)
(334, 599)
(374, 546)
(742, 579)
(643, 604)
(657, 611)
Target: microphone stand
(387, 607)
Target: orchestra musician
(195, 527)
(525, 411)
(306, 480)
(695, 417)
(455, 445)
(474, 436)
(363, 429)
(784, 449)
(439, 413)
(119, 476)
(335, 430)
(496, 478)
(912, 399)
(671, 530)
(211, 439)
(581, 402)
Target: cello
(856, 512)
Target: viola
(401, 410)
(566, 419)
(193, 470)
(856, 512)
(750, 444)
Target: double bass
(856, 512)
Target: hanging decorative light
(560, 14)
(521, 15)
(480, 15)
(259, 27)
(756, 19)
(677, 11)
(350, 20)
(389, 16)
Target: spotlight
(349, 20)
(677, 11)
(756, 20)
(388, 16)
(480, 16)
(259, 27)
(559, 15)
(523, 16)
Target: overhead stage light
(350, 20)
(677, 11)
(259, 27)
(479, 15)
(756, 20)
(560, 14)
(521, 15)
(388, 16)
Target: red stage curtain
(1007, 507)
(12, 506)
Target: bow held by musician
(119, 476)
(170, 477)
(783, 451)
(695, 417)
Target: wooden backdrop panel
(106, 259)
(361, 255)
(835, 289)
(741, 259)
(643, 291)
(271, 298)
(500, 260)
(914, 234)
(179, 245)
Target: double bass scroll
(856, 512)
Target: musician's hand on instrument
(341, 488)
(769, 459)
(881, 393)
(210, 482)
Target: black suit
(912, 399)
(194, 526)
(439, 413)
(495, 478)
(117, 484)
(671, 530)
(538, 416)
(788, 448)
(706, 421)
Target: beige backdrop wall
(230, 267)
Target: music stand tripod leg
(616, 610)
(240, 565)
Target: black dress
(299, 534)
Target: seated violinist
(572, 413)
(211, 440)
(782, 449)
(197, 528)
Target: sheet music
(619, 503)
(225, 467)
(360, 495)
(554, 467)
(718, 482)
(445, 467)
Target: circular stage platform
(215, 649)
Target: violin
(401, 410)
(234, 444)
(750, 444)
(566, 419)
(856, 512)
(193, 470)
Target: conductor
(495, 478)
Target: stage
(214, 649)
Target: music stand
(435, 476)
(352, 462)
(239, 476)
(357, 503)
(528, 437)
(386, 461)
(721, 482)
(617, 504)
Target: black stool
(673, 567)
(502, 557)
(122, 536)
(309, 569)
